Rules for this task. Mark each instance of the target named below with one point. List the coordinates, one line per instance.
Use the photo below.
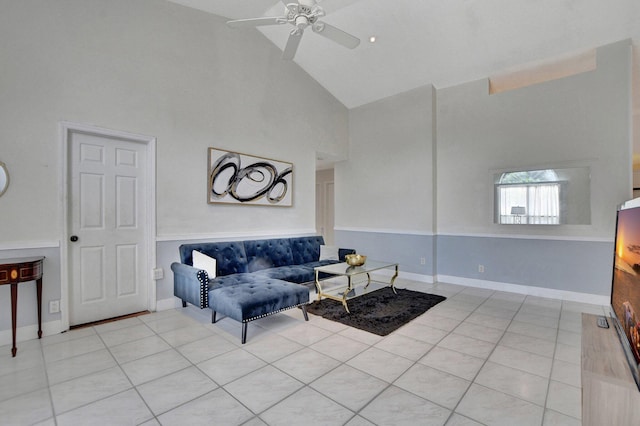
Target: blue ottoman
(249, 301)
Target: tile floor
(479, 358)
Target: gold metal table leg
(318, 287)
(344, 295)
(393, 280)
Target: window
(529, 197)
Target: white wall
(390, 166)
(385, 191)
(582, 119)
(579, 120)
(156, 68)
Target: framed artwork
(235, 178)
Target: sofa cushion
(246, 302)
(230, 256)
(262, 254)
(295, 273)
(306, 249)
(234, 279)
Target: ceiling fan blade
(292, 44)
(336, 35)
(257, 22)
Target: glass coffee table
(353, 287)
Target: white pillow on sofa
(329, 253)
(202, 261)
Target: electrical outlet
(54, 306)
(423, 260)
(481, 268)
(158, 274)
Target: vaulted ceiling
(439, 42)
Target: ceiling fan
(301, 14)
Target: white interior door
(107, 211)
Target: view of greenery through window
(529, 197)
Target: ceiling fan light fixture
(301, 14)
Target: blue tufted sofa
(254, 278)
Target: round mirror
(4, 178)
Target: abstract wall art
(236, 178)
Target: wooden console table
(609, 393)
(15, 271)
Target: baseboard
(30, 332)
(406, 275)
(550, 293)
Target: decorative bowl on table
(355, 259)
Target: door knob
(74, 238)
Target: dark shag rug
(379, 312)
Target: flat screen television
(625, 285)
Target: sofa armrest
(343, 252)
(190, 284)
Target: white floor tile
(422, 332)
(143, 347)
(523, 361)
(273, 348)
(495, 408)
(567, 353)
(458, 420)
(434, 385)
(231, 365)
(381, 364)
(399, 408)
(481, 332)
(28, 359)
(339, 347)
(27, 408)
(528, 344)
(488, 321)
(123, 408)
(154, 366)
(404, 346)
(87, 389)
(433, 320)
(78, 366)
(126, 335)
(553, 418)
(23, 381)
(168, 392)
(305, 334)
(359, 421)
(565, 399)
(453, 362)
(514, 382)
(206, 348)
(306, 365)
(263, 388)
(298, 372)
(567, 373)
(184, 335)
(307, 407)
(352, 388)
(214, 408)
(533, 330)
(467, 345)
(71, 348)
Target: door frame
(66, 130)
